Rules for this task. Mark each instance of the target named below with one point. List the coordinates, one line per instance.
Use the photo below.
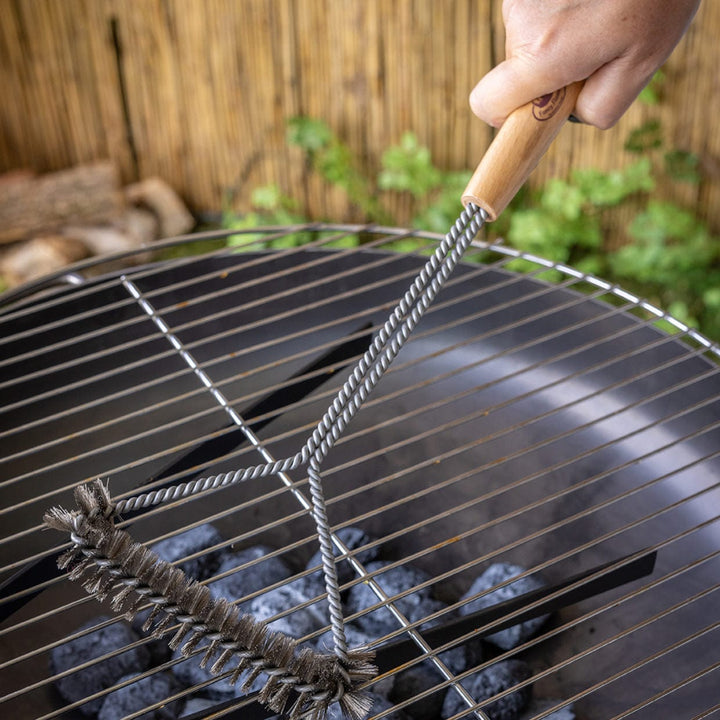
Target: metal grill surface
(553, 426)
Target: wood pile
(50, 221)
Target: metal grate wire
(551, 425)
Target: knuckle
(600, 117)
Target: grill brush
(107, 560)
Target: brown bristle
(58, 518)
(109, 558)
(220, 663)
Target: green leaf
(584, 232)
(247, 241)
(549, 235)
(711, 298)
(662, 221)
(408, 167)
(679, 310)
(607, 189)
(563, 199)
(269, 198)
(335, 162)
(540, 233)
(440, 214)
(521, 265)
(591, 265)
(344, 242)
(404, 245)
(307, 133)
(672, 249)
(682, 165)
(648, 136)
(651, 94)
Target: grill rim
(604, 287)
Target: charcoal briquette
(490, 682)
(355, 637)
(415, 680)
(196, 705)
(189, 673)
(140, 694)
(157, 647)
(414, 606)
(104, 674)
(380, 704)
(500, 572)
(190, 542)
(250, 579)
(299, 622)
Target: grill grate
(552, 426)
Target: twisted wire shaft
(361, 382)
(351, 396)
(397, 329)
(363, 377)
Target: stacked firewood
(50, 221)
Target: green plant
(269, 207)
(652, 93)
(563, 222)
(405, 168)
(408, 167)
(334, 161)
(673, 259)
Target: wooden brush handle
(517, 148)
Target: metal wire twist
(351, 396)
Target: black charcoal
(188, 543)
(422, 676)
(141, 694)
(98, 676)
(536, 707)
(250, 579)
(354, 635)
(380, 704)
(196, 705)
(415, 680)
(500, 572)
(490, 682)
(157, 647)
(456, 659)
(189, 674)
(299, 622)
(414, 606)
(353, 538)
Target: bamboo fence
(199, 92)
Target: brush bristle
(58, 518)
(108, 561)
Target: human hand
(616, 45)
